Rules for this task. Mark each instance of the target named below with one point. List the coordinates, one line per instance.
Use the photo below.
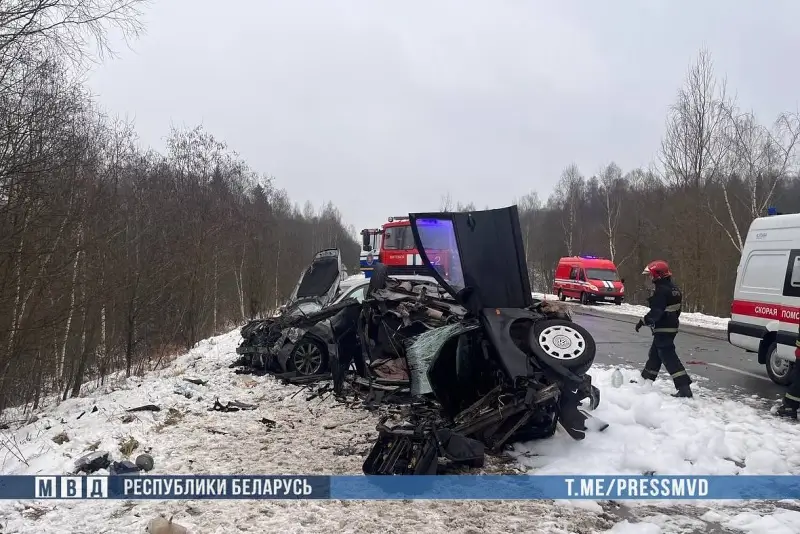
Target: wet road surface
(704, 353)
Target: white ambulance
(766, 299)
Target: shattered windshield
(608, 275)
(437, 238)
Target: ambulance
(765, 311)
(588, 279)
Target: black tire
(618, 301)
(378, 279)
(585, 299)
(577, 350)
(308, 357)
(782, 377)
(561, 296)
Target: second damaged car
(508, 368)
(299, 339)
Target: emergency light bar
(772, 210)
(392, 219)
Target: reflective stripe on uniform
(673, 308)
(797, 343)
(792, 397)
(679, 373)
(665, 330)
(649, 372)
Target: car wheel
(563, 342)
(308, 358)
(778, 369)
(584, 298)
(561, 296)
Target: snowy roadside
(699, 320)
(650, 432)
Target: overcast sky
(383, 107)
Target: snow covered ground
(650, 432)
(692, 319)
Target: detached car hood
(318, 284)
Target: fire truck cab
(393, 246)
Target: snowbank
(699, 320)
(649, 431)
(652, 432)
(310, 437)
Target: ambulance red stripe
(763, 310)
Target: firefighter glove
(639, 325)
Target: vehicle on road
(765, 311)
(588, 279)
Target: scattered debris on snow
(286, 434)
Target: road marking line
(733, 369)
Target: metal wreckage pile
(467, 358)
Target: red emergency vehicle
(589, 279)
(393, 245)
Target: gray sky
(383, 107)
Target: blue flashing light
(772, 210)
(590, 257)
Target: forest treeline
(115, 258)
(112, 257)
(718, 168)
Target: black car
(505, 368)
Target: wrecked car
(371, 339)
(494, 365)
(299, 339)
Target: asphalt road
(704, 353)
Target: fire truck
(393, 245)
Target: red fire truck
(393, 245)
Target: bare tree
(568, 194)
(65, 28)
(611, 181)
(758, 159)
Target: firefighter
(663, 320)
(791, 400)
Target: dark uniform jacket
(665, 307)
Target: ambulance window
(791, 276)
(796, 272)
(764, 270)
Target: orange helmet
(657, 270)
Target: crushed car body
(504, 368)
(476, 360)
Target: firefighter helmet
(657, 270)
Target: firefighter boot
(683, 392)
(789, 412)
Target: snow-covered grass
(649, 431)
(699, 320)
